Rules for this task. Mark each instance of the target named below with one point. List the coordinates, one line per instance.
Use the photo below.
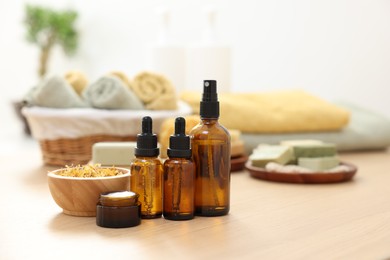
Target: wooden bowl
(78, 196)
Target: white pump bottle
(168, 58)
(209, 59)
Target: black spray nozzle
(210, 91)
(179, 143)
(209, 106)
(147, 141)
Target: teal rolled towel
(110, 93)
(54, 92)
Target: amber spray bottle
(210, 143)
(179, 176)
(147, 172)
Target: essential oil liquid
(179, 181)
(212, 178)
(146, 180)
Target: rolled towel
(122, 76)
(110, 93)
(155, 91)
(168, 128)
(54, 92)
(275, 112)
(77, 80)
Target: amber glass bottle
(179, 176)
(147, 172)
(211, 154)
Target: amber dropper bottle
(179, 176)
(147, 172)
(210, 143)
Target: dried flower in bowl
(89, 170)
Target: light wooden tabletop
(267, 220)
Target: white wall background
(337, 49)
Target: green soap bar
(319, 164)
(113, 153)
(271, 153)
(318, 150)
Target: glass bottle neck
(179, 158)
(146, 157)
(209, 121)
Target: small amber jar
(118, 209)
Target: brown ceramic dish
(238, 163)
(315, 177)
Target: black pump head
(179, 143)
(210, 91)
(209, 106)
(147, 141)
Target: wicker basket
(66, 136)
(62, 152)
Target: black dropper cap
(146, 141)
(179, 143)
(209, 106)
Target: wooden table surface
(267, 220)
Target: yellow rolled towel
(77, 80)
(168, 128)
(276, 112)
(155, 91)
(122, 76)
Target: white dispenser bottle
(168, 58)
(209, 59)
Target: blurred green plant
(47, 27)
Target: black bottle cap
(209, 106)
(179, 143)
(146, 141)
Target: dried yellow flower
(89, 170)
